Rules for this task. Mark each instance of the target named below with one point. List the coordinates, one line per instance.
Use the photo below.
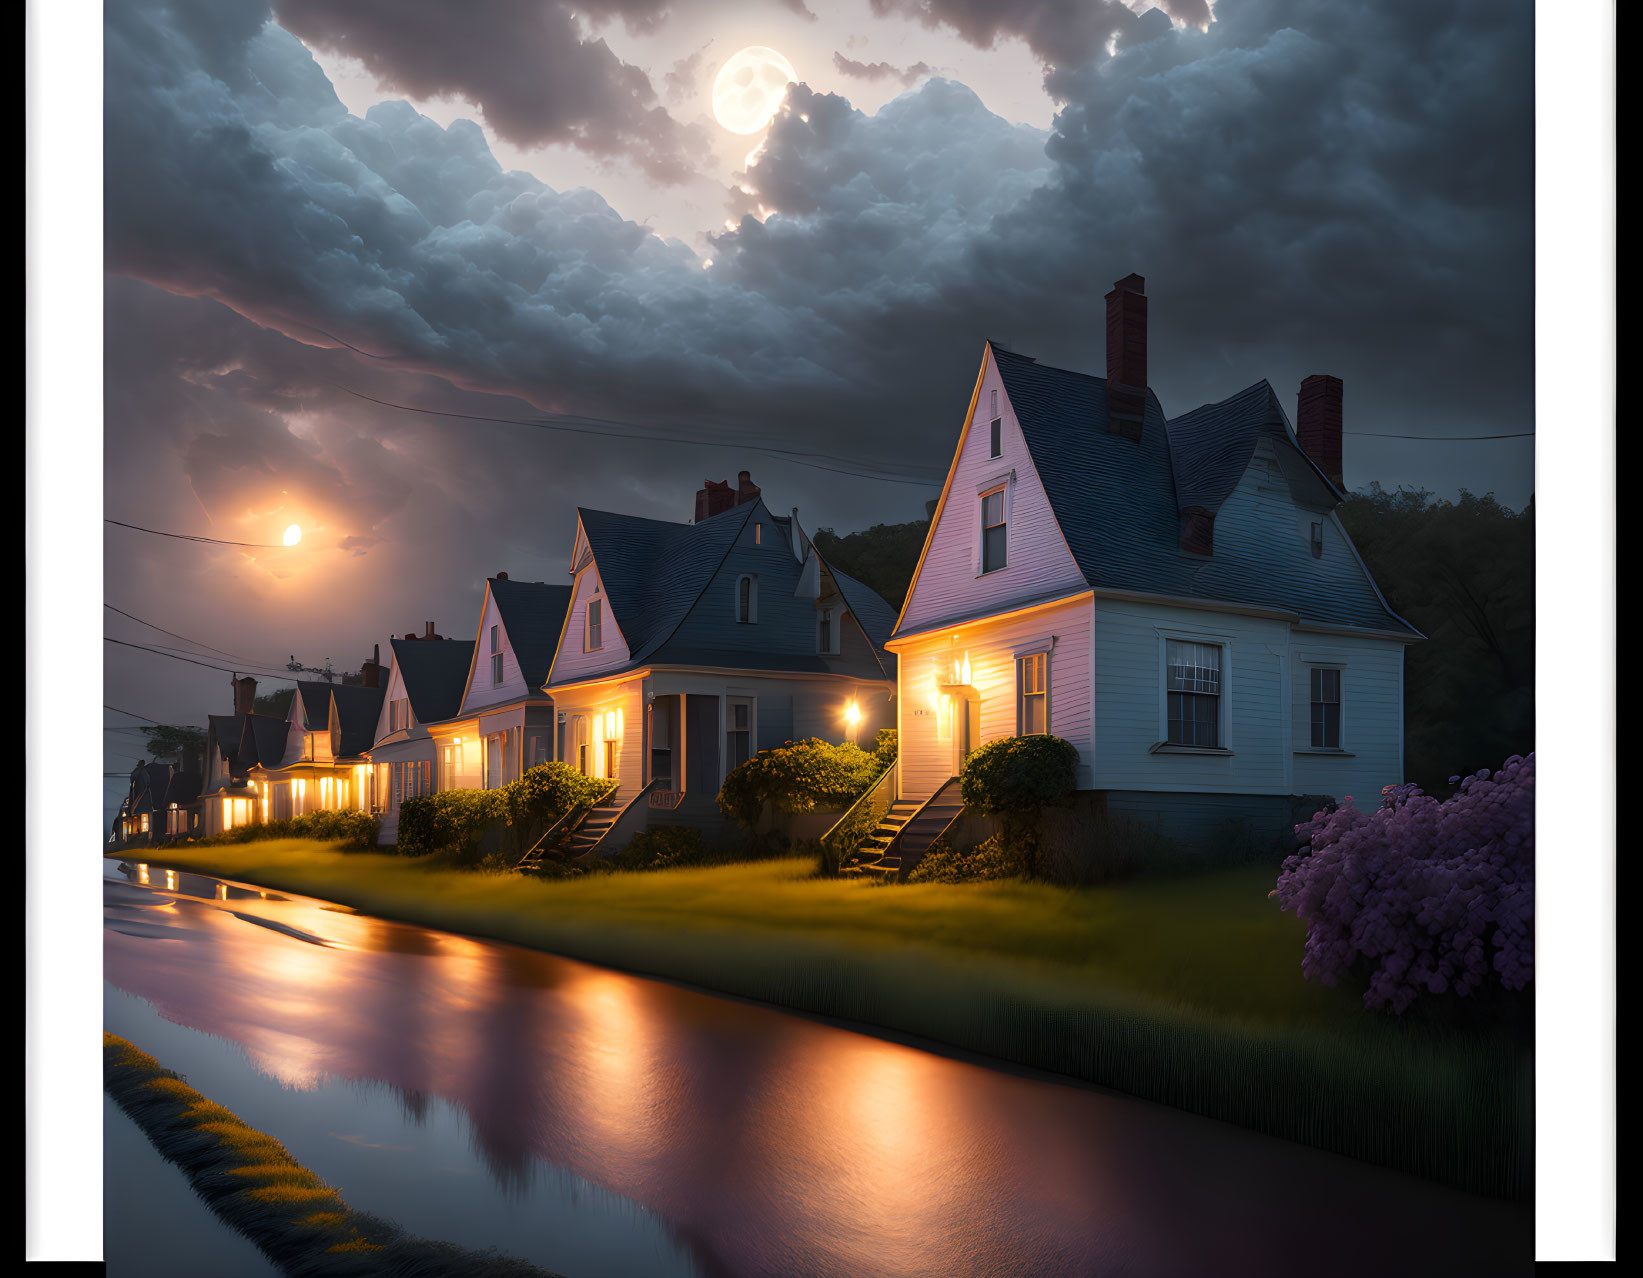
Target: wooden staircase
(872, 856)
(905, 833)
(594, 827)
(563, 833)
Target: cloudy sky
(424, 277)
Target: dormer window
(996, 440)
(747, 599)
(758, 534)
(825, 631)
(496, 656)
(593, 626)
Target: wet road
(603, 1124)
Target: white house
(687, 647)
(1176, 598)
(320, 761)
(503, 723)
(426, 678)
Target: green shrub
(1018, 774)
(996, 858)
(801, 776)
(886, 747)
(662, 847)
(355, 831)
(456, 823)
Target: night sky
(526, 211)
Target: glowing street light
(293, 535)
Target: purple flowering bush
(1421, 896)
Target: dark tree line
(1461, 572)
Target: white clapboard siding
(396, 690)
(1371, 722)
(927, 758)
(570, 661)
(1130, 700)
(481, 691)
(1039, 565)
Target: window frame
(496, 656)
(730, 703)
(1002, 492)
(1315, 535)
(593, 624)
(1314, 670)
(1224, 719)
(1024, 661)
(752, 581)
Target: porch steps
(870, 857)
(595, 826)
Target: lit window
(1193, 685)
(993, 548)
(1326, 709)
(758, 534)
(593, 636)
(1032, 682)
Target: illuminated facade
(1176, 598)
(687, 647)
(425, 684)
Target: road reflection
(772, 1144)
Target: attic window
(1317, 539)
(996, 448)
(593, 626)
(496, 656)
(825, 634)
(758, 534)
(747, 599)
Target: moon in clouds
(749, 88)
(293, 535)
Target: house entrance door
(966, 730)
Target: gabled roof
(315, 696)
(876, 617)
(1116, 500)
(533, 613)
(358, 709)
(654, 571)
(434, 672)
(262, 739)
(184, 787)
(1211, 447)
(225, 730)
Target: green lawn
(1185, 990)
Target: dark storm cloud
(1308, 188)
(875, 71)
(1060, 32)
(537, 75)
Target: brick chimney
(713, 498)
(371, 671)
(1127, 356)
(501, 576)
(746, 489)
(1318, 424)
(245, 694)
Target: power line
(133, 714)
(1375, 434)
(214, 541)
(196, 642)
(208, 665)
(577, 424)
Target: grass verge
(251, 1181)
(1183, 991)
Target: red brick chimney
(714, 498)
(746, 489)
(1318, 424)
(1127, 356)
(245, 694)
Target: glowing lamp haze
(293, 535)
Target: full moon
(749, 88)
(293, 535)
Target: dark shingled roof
(358, 709)
(653, 571)
(263, 739)
(225, 730)
(533, 613)
(316, 704)
(434, 672)
(876, 618)
(1116, 500)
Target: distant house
(503, 723)
(159, 806)
(689, 646)
(1175, 597)
(426, 679)
(227, 797)
(321, 761)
